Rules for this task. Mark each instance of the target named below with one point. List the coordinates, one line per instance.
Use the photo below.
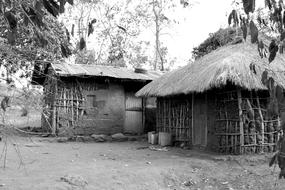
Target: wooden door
(200, 120)
(134, 117)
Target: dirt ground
(128, 165)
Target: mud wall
(93, 107)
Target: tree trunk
(156, 35)
(157, 41)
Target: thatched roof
(229, 63)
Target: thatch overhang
(228, 64)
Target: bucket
(149, 136)
(164, 139)
(154, 138)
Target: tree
(118, 27)
(216, 40)
(154, 12)
(112, 26)
(271, 21)
(138, 56)
(30, 32)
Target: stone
(79, 139)
(119, 137)
(99, 138)
(87, 139)
(62, 139)
(76, 180)
(132, 139)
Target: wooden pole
(72, 109)
(53, 132)
(157, 114)
(227, 131)
(181, 131)
(262, 121)
(164, 116)
(206, 127)
(64, 100)
(77, 106)
(240, 121)
(192, 131)
(169, 113)
(255, 133)
(235, 144)
(143, 113)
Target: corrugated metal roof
(65, 69)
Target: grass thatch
(229, 63)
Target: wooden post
(206, 127)
(77, 107)
(169, 113)
(143, 112)
(240, 120)
(255, 133)
(64, 100)
(180, 122)
(262, 121)
(235, 144)
(164, 116)
(53, 132)
(72, 108)
(192, 135)
(227, 131)
(279, 126)
(157, 114)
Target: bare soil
(128, 165)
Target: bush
(216, 40)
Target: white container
(164, 139)
(154, 138)
(149, 136)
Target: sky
(195, 24)
(205, 16)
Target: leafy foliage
(273, 49)
(216, 40)
(270, 22)
(30, 33)
(138, 56)
(233, 17)
(248, 5)
(112, 28)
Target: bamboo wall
(243, 124)
(84, 107)
(174, 115)
(49, 108)
(227, 124)
(70, 106)
(237, 121)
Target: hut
(82, 99)
(219, 102)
